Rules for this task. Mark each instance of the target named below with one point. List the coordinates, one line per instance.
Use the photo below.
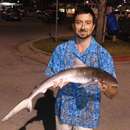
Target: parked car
(124, 24)
(11, 15)
(50, 16)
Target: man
(112, 24)
(78, 106)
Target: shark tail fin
(25, 104)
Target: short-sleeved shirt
(79, 104)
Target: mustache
(83, 30)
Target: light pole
(56, 27)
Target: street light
(56, 27)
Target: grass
(49, 44)
(118, 48)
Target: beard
(83, 37)
(83, 34)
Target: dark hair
(86, 10)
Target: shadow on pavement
(45, 112)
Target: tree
(101, 20)
(101, 4)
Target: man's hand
(102, 86)
(109, 91)
(59, 84)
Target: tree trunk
(101, 21)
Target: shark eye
(102, 82)
(94, 79)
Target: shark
(82, 75)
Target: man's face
(83, 25)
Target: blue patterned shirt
(77, 104)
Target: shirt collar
(92, 47)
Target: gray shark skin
(83, 75)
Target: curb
(28, 50)
(121, 58)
